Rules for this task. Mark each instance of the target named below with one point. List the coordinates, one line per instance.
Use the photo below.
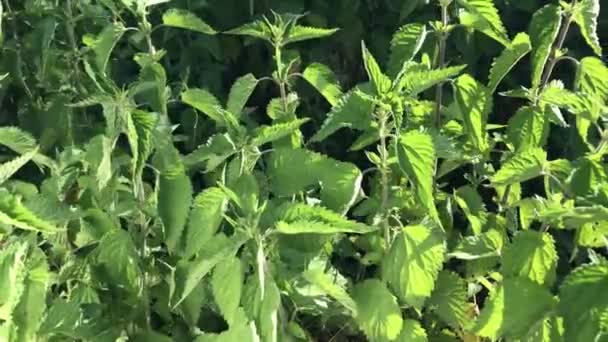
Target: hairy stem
(553, 58)
(384, 175)
(445, 20)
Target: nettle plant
(457, 230)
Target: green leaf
(483, 16)
(205, 102)
(543, 30)
(412, 332)
(265, 134)
(475, 103)
(532, 255)
(291, 171)
(327, 284)
(521, 167)
(17, 139)
(204, 220)
(14, 213)
(378, 315)
(174, 199)
(186, 20)
(528, 128)
(118, 255)
(352, 110)
(576, 103)
(13, 273)
(511, 55)
(104, 44)
(591, 78)
(380, 82)
(405, 44)
(212, 154)
(585, 14)
(418, 80)
(296, 218)
(140, 130)
(240, 92)
(300, 33)
(449, 299)
(257, 29)
(8, 169)
(227, 284)
(413, 263)
(583, 303)
(416, 154)
(513, 309)
(485, 245)
(325, 81)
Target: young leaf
(104, 44)
(523, 166)
(483, 16)
(8, 169)
(295, 218)
(416, 81)
(118, 255)
(212, 154)
(475, 103)
(591, 78)
(15, 213)
(226, 284)
(204, 220)
(513, 309)
(528, 128)
(532, 255)
(257, 29)
(379, 81)
(405, 44)
(585, 14)
(378, 315)
(300, 33)
(519, 47)
(174, 199)
(186, 20)
(416, 154)
(239, 94)
(265, 134)
(205, 102)
(413, 262)
(583, 303)
(543, 30)
(17, 139)
(327, 284)
(412, 332)
(449, 298)
(324, 80)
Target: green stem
(445, 20)
(384, 175)
(553, 59)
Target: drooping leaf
(475, 103)
(257, 29)
(140, 129)
(13, 272)
(204, 219)
(174, 199)
(591, 78)
(513, 309)
(523, 166)
(327, 284)
(449, 298)
(104, 44)
(212, 154)
(585, 14)
(380, 82)
(205, 102)
(405, 44)
(413, 263)
(511, 55)
(416, 81)
(266, 134)
(532, 255)
(325, 81)
(240, 92)
(118, 255)
(9, 168)
(416, 154)
(483, 16)
(226, 284)
(300, 33)
(543, 30)
(14, 213)
(583, 303)
(378, 315)
(186, 20)
(302, 219)
(577, 103)
(412, 331)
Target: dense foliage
(303, 170)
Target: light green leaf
(14, 213)
(413, 263)
(204, 220)
(380, 82)
(240, 92)
(583, 303)
(297, 218)
(17, 139)
(591, 78)
(300, 33)
(212, 154)
(118, 255)
(13, 273)
(513, 309)
(416, 154)
(378, 315)
(528, 128)
(475, 103)
(327, 284)
(265, 134)
(205, 102)
(449, 299)
(523, 166)
(513, 53)
(532, 255)
(141, 139)
(9, 168)
(483, 16)
(291, 171)
(585, 14)
(174, 199)
(419, 79)
(576, 103)
(405, 44)
(325, 81)
(257, 29)
(227, 284)
(186, 20)
(543, 30)
(412, 332)
(104, 44)
(485, 245)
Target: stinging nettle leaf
(300, 33)
(412, 332)
(14, 213)
(240, 92)
(543, 30)
(257, 29)
(532, 255)
(585, 14)
(483, 16)
(185, 19)
(415, 81)
(296, 218)
(227, 284)
(204, 219)
(379, 80)
(205, 102)
(174, 199)
(528, 128)
(449, 299)
(405, 44)
(378, 314)
(521, 167)
(325, 81)
(511, 55)
(104, 44)
(591, 78)
(475, 103)
(9, 168)
(118, 254)
(327, 284)
(265, 134)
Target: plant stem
(278, 55)
(445, 20)
(553, 59)
(384, 175)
